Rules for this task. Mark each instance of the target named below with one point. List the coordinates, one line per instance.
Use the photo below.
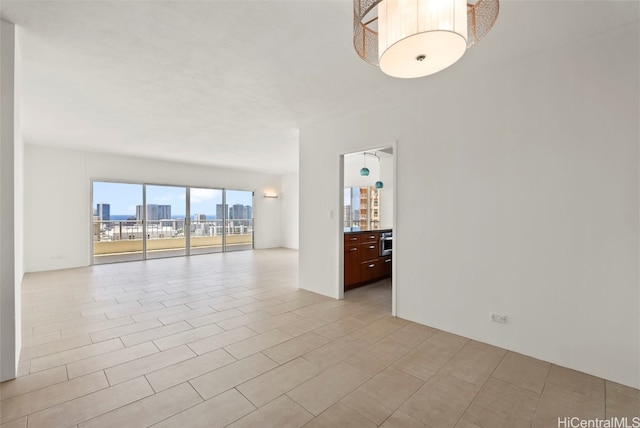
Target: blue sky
(123, 198)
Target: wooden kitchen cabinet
(362, 261)
(369, 237)
(351, 264)
(385, 266)
(351, 238)
(369, 270)
(369, 251)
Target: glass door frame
(253, 196)
(91, 222)
(187, 220)
(221, 201)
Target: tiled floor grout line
(605, 398)
(269, 295)
(247, 398)
(433, 375)
(63, 402)
(544, 386)
(199, 395)
(482, 386)
(386, 367)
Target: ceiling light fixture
(415, 38)
(364, 171)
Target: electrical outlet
(499, 318)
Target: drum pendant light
(420, 37)
(414, 38)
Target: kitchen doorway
(368, 224)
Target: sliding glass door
(145, 221)
(239, 224)
(116, 228)
(165, 220)
(207, 220)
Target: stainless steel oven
(386, 243)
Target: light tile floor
(229, 340)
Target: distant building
(222, 212)
(374, 207)
(241, 214)
(103, 211)
(154, 212)
(236, 212)
(347, 215)
(201, 227)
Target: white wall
(11, 173)
(289, 197)
(58, 206)
(527, 206)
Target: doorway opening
(367, 226)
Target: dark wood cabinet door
(369, 251)
(369, 237)
(385, 266)
(351, 265)
(351, 238)
(362, 261)
(369, 270)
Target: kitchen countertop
(348, 231)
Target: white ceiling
(231, 82)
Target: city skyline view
(123, 198)
(127, 228)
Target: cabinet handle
(372, 265)
(372, 237)
(353, 249)
(388, 261)
(371, 247)
(353, 239)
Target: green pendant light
(364, 171)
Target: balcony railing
(125, 236)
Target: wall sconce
(271, 195)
